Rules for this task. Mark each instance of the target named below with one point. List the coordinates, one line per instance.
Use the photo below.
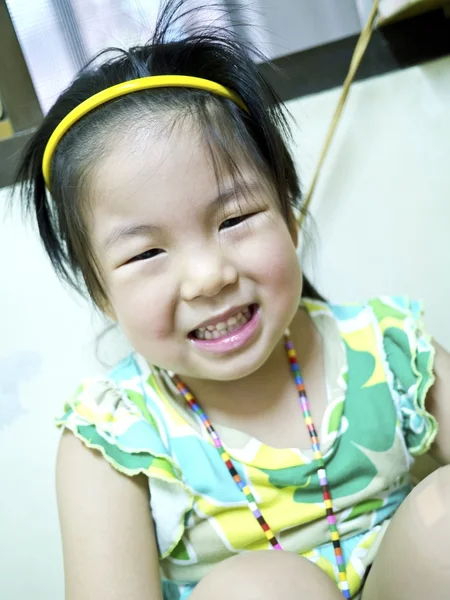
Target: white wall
(282, 27)
(47, 344)
(382, 207)
(382, 211)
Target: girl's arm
(107, 531)
(438, 403)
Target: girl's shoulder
(388, 346)
(126, 417)
(394, 320)
(401, 308)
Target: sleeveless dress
(379, 366)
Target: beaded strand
(227, 460)
(321, 471)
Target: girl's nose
(206, 274)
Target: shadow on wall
(15, 369)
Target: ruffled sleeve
(410, 357)
(118, 423)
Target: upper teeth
(223, 327)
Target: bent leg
(413, 561)
(265, 576)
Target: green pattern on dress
(375, 422)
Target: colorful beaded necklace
(321, 472)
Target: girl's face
(202, 281)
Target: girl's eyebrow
(127, 231)
(220, 201)
(230, 193)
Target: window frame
(18, 97)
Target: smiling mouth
(224, 328)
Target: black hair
(210, 52)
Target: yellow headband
(121, 89)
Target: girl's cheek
(145, 310)
(273, 258)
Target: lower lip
(234, 340)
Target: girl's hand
(438, 403)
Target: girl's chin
(230, 368)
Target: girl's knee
(413, 559)
(265, 575)
(430, 498)
(428, 513)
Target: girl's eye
(146, 255)
(229, 223)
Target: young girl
(260, 438)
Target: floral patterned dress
(378, 364)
